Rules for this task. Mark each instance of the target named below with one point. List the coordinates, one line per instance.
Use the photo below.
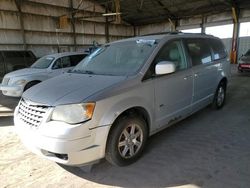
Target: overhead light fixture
(112, 14)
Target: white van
(16, 82)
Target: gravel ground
(209, 149)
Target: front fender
(31, 78)
(111, 112)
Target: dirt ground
(209, 149)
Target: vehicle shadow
(7, 107)
(189, 153)
(162, 165)
(6, 121)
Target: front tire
(126, 140)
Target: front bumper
(10, 90)
(73, 152)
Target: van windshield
(43, 63)
(118, 59)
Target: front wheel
(126, 141)
(220, 96)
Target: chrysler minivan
(121, 94)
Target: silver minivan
(121, 94)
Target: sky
(224, 31)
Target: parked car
(244, 62)
(120, 95)
(11, 60)
(15, 83)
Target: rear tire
(126, 140)
(220, 96)
(30, 84)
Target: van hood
(69, 88)
(24, 72)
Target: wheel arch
(31, 81)
(137, 111)
(224, 80)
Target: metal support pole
(72, 21)
(203, 28)
(20, 14)
(235, 39)
(106, 26)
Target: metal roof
(140, 12)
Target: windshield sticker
(143, 41)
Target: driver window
(57, 64)
(172, 52)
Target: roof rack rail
(174, 33)
(162, 33)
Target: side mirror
(164, 67)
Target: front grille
(5, 81)
(30, 113)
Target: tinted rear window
(218, 49)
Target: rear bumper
(244, 67)
(13, 91)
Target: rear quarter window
(218, 49)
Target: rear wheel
(126, 140)
(220, 96)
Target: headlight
(73, 113)
(20, 82)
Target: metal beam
(72, 20)
(20, 14)
(169, 13)
(173, 24)
(106, 25)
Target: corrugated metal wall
(43, 36)
(196, 22)
(244, 45)
(41, 26)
